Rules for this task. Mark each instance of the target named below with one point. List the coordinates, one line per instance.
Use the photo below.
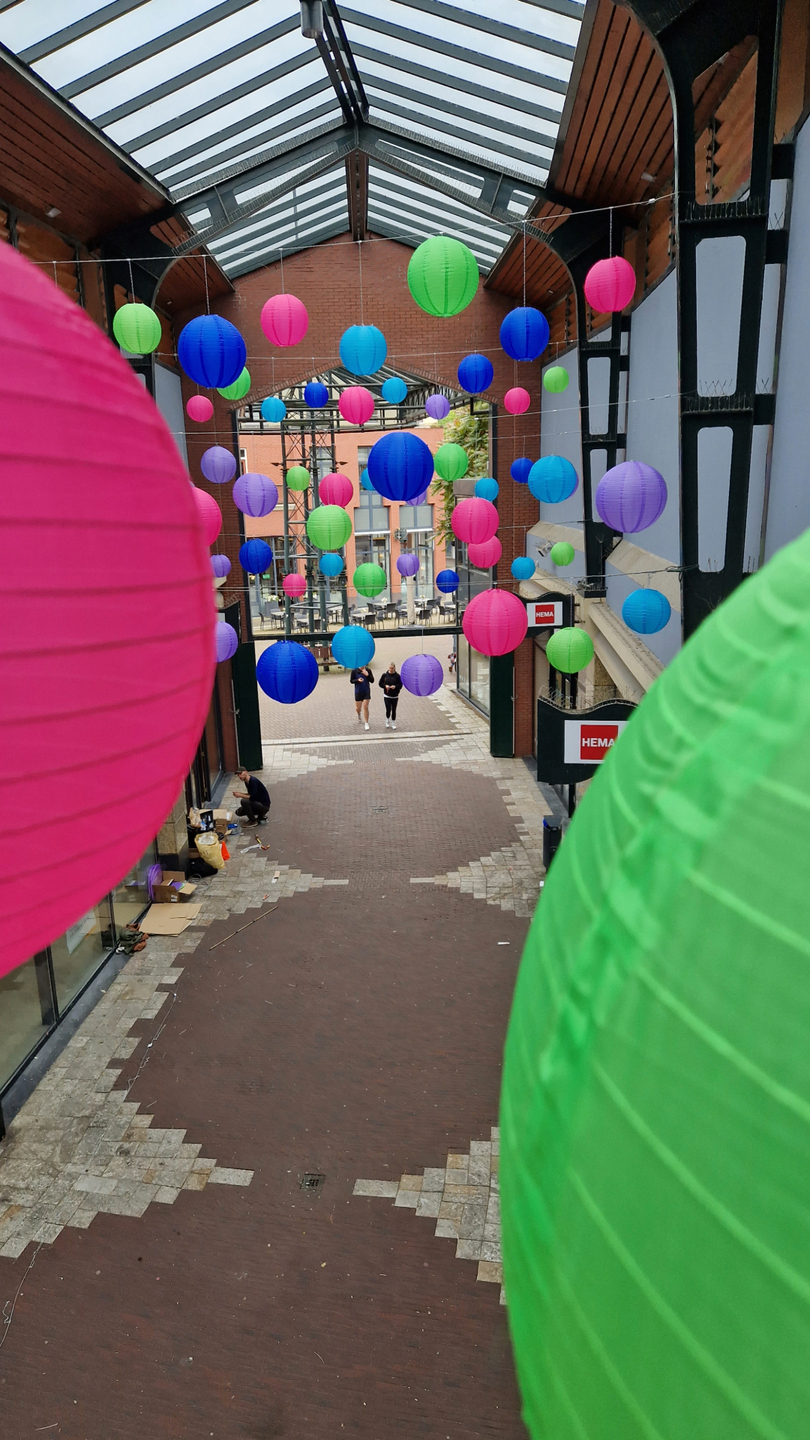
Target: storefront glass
(22, 1019)
(131, 897)
(78, 953)
(473, 675)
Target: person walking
(255, 801)
(391, 684)
(362, 680)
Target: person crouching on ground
(362, 680)
(391, 684)
(255, 801)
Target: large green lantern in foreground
(329, 527)
(369, 579)
(451, 461)
(442, 275)
(655, 1116)
(240, 386)
(137, 328)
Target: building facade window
(473, 674)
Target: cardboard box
(173, 888)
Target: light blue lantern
(553, 479)
(394, 390)
(352, 646)
(363, 349)
(487, 488)
(646, 611)
(273, 409)
(523, 568)
(330, 564)
(365, 480)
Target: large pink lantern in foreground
(284, 320)
(209, 513)
(474, 520)
(356, 404)
(100, 497)
(485, 555)
(335, 489)
(610, 284)
(495, 622)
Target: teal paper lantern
(394, 390)
(273, 409)
(487, 488)
(352, 646)
(363, 349)
(646, 611)
(330, 564)
(553, 479)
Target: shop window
(24, 1019)
(131, 897)
(473, 675)
(78, 953)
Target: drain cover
(312, 1182)
(379, 809)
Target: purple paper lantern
(218, 465)
(221, 566)
(227, 641)
(255, 494)
(437, 406)
(408, 563)
(422, 674)
(630, 497)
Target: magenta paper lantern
(485, 555)
(284, 320)
(631, 496)
(474, 520)
(517, 400)
(100, 714)
(356, 404)
(227, 641)
(495, 622)
(408, 563)
(437, 407)
(610, 285)
(422, 674)
(199, 408)
(209, 513)
(255, 494)
(218, 465)
(294, 585)
(336, 489)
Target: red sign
(587, 742)
(547, 614)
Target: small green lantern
(451, 462)
(297, 479)
(328, 526)
(443, 276)
(369, 579)
(556, 379)
(240, 387)
(137, 329)
(569, 650)
(562, 553)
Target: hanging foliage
(471, 432)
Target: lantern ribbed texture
(335, 489)
(220, 566)
(495, 622)
(297, 478)
(556, 380)
(520, 470)
(255, 494)
(328, 527)
(447, 581)
(356, 404)
(365, 480)
(631, 496)
(284, 320)
(451, 461)
(369, 579)
(475, 374)
(443, 276)
(486, 555)
(218, 465)
(137, 328)
(524, 333)
(273, 409)
(211, 351)
(107, 660)
(517, 400)
(646, 611)
(437, 407)
(294, 585)
(569, 650)
(363, 349)
(474, 520)
(199, 408)
(422, 674)
(553, 479)
(562, 553)
(610, 285)
(255, 556)
(400, 466)
(352, 646)
(523, 568)
(287, 672)
(408, 563)
(209, 514)
(394, 390)
(316, 394)
(238, 389)
(487, 488)
(227, 641)
(329, 564)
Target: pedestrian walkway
(186, 1243)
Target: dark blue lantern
(211, 351)
(315, 394)
(524, 333)
(394, 390)
(553, 479)
(255, 556)
(287, 672)
(330, 564)
(273, 409)
(519, 470)
(475, 374)
(447, 581)
(363, 349)
(365, 481)
(646, 611)
(400, 466)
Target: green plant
(472, 433)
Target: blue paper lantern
(255, 556)
(352, 646)
(273, 409)
(447, 581)
(475, 374)
(400, 466)
(524, 333)
(520, 470)
(211, 351)
(523, 568)
(315, 394)
(365, 481)
(287, 672)
(394, 390)
(221, 566)
(487, 488)
(646, 611)
(363, 349)
(330, 564)
(553, 479)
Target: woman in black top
(391, 684)
(362, 680)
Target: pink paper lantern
(487, 554)
(100, 713)
(474, 520)
(495, 622)
(209, 513)
(356, 404)
(335, 489)
(199, 408)
(284, 320)
(610, 285)
(517, 400)
(294, 585)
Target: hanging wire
(205, 274)
(360, 268)
(281, 262)
(131, 280)
(524, 264)
(610, 242)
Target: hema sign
(587, 742)
(546, 614)
(571, 744)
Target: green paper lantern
(297, 478)
(656, 1093)
(569, 650)
(562, 553)
(240, 387)
(556, 379)
(328, 526)
(451, 461)
(443, 276)
(369, 579)
(137, 328)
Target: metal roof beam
(357, 193)
(447, 107)
(77, 31)
(452, 82)
(301, 204)
(470, 20)
(434, 122)
(315, 238)
(496, 188)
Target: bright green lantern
(137, 328)
(569, 650)
(556, 380)
(442, 276)
(369, 579)
(451, 461)
(240, 387)
(328, 526)
(562, 553)
(655, 1111)
(297, 478)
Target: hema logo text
(587, 742)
